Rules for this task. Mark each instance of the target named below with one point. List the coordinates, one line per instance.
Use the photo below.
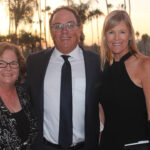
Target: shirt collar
(75, 54)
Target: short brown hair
(73, 11)
(21, 60)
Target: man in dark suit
(44, 81)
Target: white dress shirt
(52, 83)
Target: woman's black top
(22, 125)
(124, 107)
(17, 130)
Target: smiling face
(8, 75)
(65, 40)
(117, 39)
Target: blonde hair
(112, 20)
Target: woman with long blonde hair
(125, 92)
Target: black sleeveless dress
(124, 107)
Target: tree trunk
(129, 8)
(40, 21)
(92, 30)
(97, 30)
(107, 6)
(124, 4)
(45, 25)
(9, 17)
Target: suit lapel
(88, 74)
(45, 61)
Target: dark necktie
(65, 124)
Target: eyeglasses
(58, 27)
(12, 64)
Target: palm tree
(45, 24)
(137, 35)
(38, 8)
(85, 14)
(9, 17)
(21, 10)
(28, 42)
(122, 6)
(125, 5)
(97, 13)
(90, 17)
(83, 11)
(47, 8)
(8, 3)
(129, 8)
(107, 6)
(144, 44)
(69, 2)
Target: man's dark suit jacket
(36, 68)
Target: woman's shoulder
(143, 65)
(22, 93)
(144, 61)
(20, 88)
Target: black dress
(124, 107)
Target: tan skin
(65, 41)
(101, 114)
(102, 118)
(8, 77)
(137, 66)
